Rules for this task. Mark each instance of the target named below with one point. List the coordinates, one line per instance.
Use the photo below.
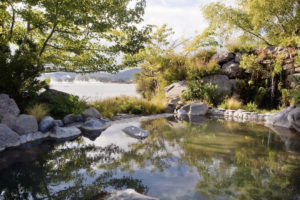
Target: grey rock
(91, 112)
(94, 126)
(8, 105)
(58, 123)
(232, 69)
(8, 138)
(46, 124)
(9, 120)
(181, 114)
(129, 194)
(294, 118)
(72, 119)
(224, 84)
(170, 107)
(65, 132)
(223, 57)
(280, 118)
(175, 100)
(31, 137)
(174, 90)
(25, 124)
(198, 109)
(136, 132)
(238, 57)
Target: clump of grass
(129, 105)
(251, 107)
(38, 110)
(232, 104)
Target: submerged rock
(65, 132)
(46, 124)
(8, 138)
(91, 112)
(25, 124)
(130, 194)
(136, 132)
(94, 127)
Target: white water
(91, 91)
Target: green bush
(296, 91)
(251, 107)
(236, 47)
(205, 92)
(297, 59)
(196, 71)
(130, 105)
(285, 97)
(62, 105)
(232, 104)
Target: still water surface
(206, 159)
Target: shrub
(297, 59)
(251, 107)
(38, 110)
(204, 92)
(236, 47)
(296, 91)
(130, 105)
(285, 97)
(197, 71)
(232, 104)
(62, 105)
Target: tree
(271, 22)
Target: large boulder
(94, 127)
(8, 105)
(174, 90)
(46, 124)
(224, 84)
(9, 120)
(223, 57)
(294, 118)
(129, 194)
(25, 124)
(8, 138)
(69, 119)
(136, 132)
(65, 132)
(232, 69)
(287, 118)
(91, 112)
(196, 108)
(31, 137)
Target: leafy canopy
(271, 22)
(75, 35)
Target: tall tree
(272, 22)
(75, 35)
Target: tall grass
(232, 104)
(38, 110)
(129, 105)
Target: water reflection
(195, 159)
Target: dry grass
(232, 104)
(38, 110)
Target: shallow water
(91, 91)
(202, 159)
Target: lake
(93, 90)
(202, 158)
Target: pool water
(202, 159)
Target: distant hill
(124, 76)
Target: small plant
(38, 110)
(204, 92)
(196, 71)
(236, 47)
(285, 97)
(62, 105)
(297, 59)
(251, 107)
(232, 104)
(296, 91)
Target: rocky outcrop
(136, 132)
(294, 118)
(94, 127)
(91, 112)
(69, 119)
(232, 69)
(8, 138)
(25, 124)
(129, 194)
(8, 106)
(196, 108)
(46, 124)
(223, 57)
(224, 84)
(174, 90)
(280, 118)
(9, 120)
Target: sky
(183, 16)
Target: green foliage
(271, 22)
(130, 105)
(62, 105)
(261, 96)
(198, 70)
(297, 59)
(204, 92)
(19, 73)
(251, 107)
(296, 91)
(285, 97)
(240, 47)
